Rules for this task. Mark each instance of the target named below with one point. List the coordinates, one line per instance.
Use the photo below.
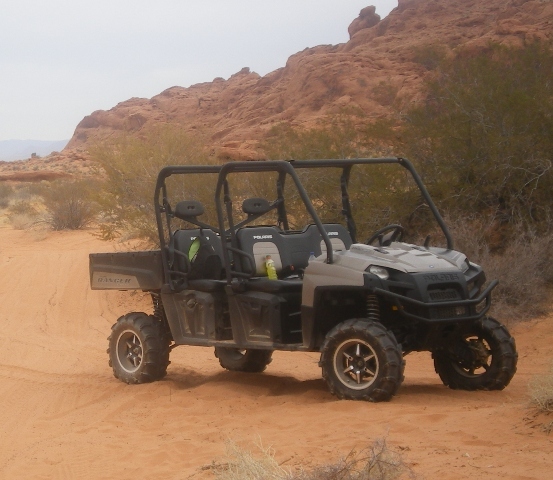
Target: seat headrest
(188, 209)
(254, 206)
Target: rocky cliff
(381, 64)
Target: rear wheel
(483, 358)
(361, 360)
(238, 360)
(138, 349)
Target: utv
(363, 305)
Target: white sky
(60, 60)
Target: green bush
(131, 166)
(68, 205)
(483, 139)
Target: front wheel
(361, 360)
(238, 360)
(483, 358)
(138, 349)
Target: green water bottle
(270, 267)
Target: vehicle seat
(260, 242)
(205, 271)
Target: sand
(63, 414)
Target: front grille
(444, 295)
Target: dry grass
(244, 465)
(375, 462)
(541, 392)
(523, 265)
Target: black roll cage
(223, 203)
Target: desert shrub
(540, 389)
(523, 266)
(6, 192)
(23, 207)
(22, 215)
(376, 462)
(337, 137)
(429, 56)
(385, 93)
(21, 221)
(483, 138)
(68, 205)
(131, 165)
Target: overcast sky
(60, 60)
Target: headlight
(380, 272)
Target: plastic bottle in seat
(270, 267)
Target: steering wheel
(395, 233)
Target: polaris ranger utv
(363, 305)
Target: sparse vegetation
(375, 462)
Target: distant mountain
(23, 149)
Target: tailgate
(126, 270)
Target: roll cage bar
(164, 211)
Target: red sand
(63, 414)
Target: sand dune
(63, 415)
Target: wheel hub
(129, 351)
(479, 352)
(472, 355)
(356, 364)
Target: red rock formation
(373, 69)
(367, 19)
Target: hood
(404, 257)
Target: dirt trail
(63, 415)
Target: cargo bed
(141, 270)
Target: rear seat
(181, 242)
